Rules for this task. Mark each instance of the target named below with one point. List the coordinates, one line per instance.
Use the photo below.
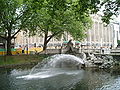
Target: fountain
(55, 65)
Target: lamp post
(26, 41)
(101, 46)
(27, 45)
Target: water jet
(55, 65)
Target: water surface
(59, 79)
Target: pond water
(59, 79)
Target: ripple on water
(113, 84)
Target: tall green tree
(58, 17)
(14, 14)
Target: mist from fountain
(55, 65)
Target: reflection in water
(54, 79)
(71, 80)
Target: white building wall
(100, 35)
(116, 35)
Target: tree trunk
(45, 42)
(46, 39)
(45, 46)
(9, 46)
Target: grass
(20, 59)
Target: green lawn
(19, 59)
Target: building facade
(98, 36)
(116, 34)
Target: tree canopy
(73, 16)
(110, 8)
(58, 17)
(13, 17)
(55, 16)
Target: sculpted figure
(70, 46)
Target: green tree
(14, 14)
(58, 17)
(111, 8)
